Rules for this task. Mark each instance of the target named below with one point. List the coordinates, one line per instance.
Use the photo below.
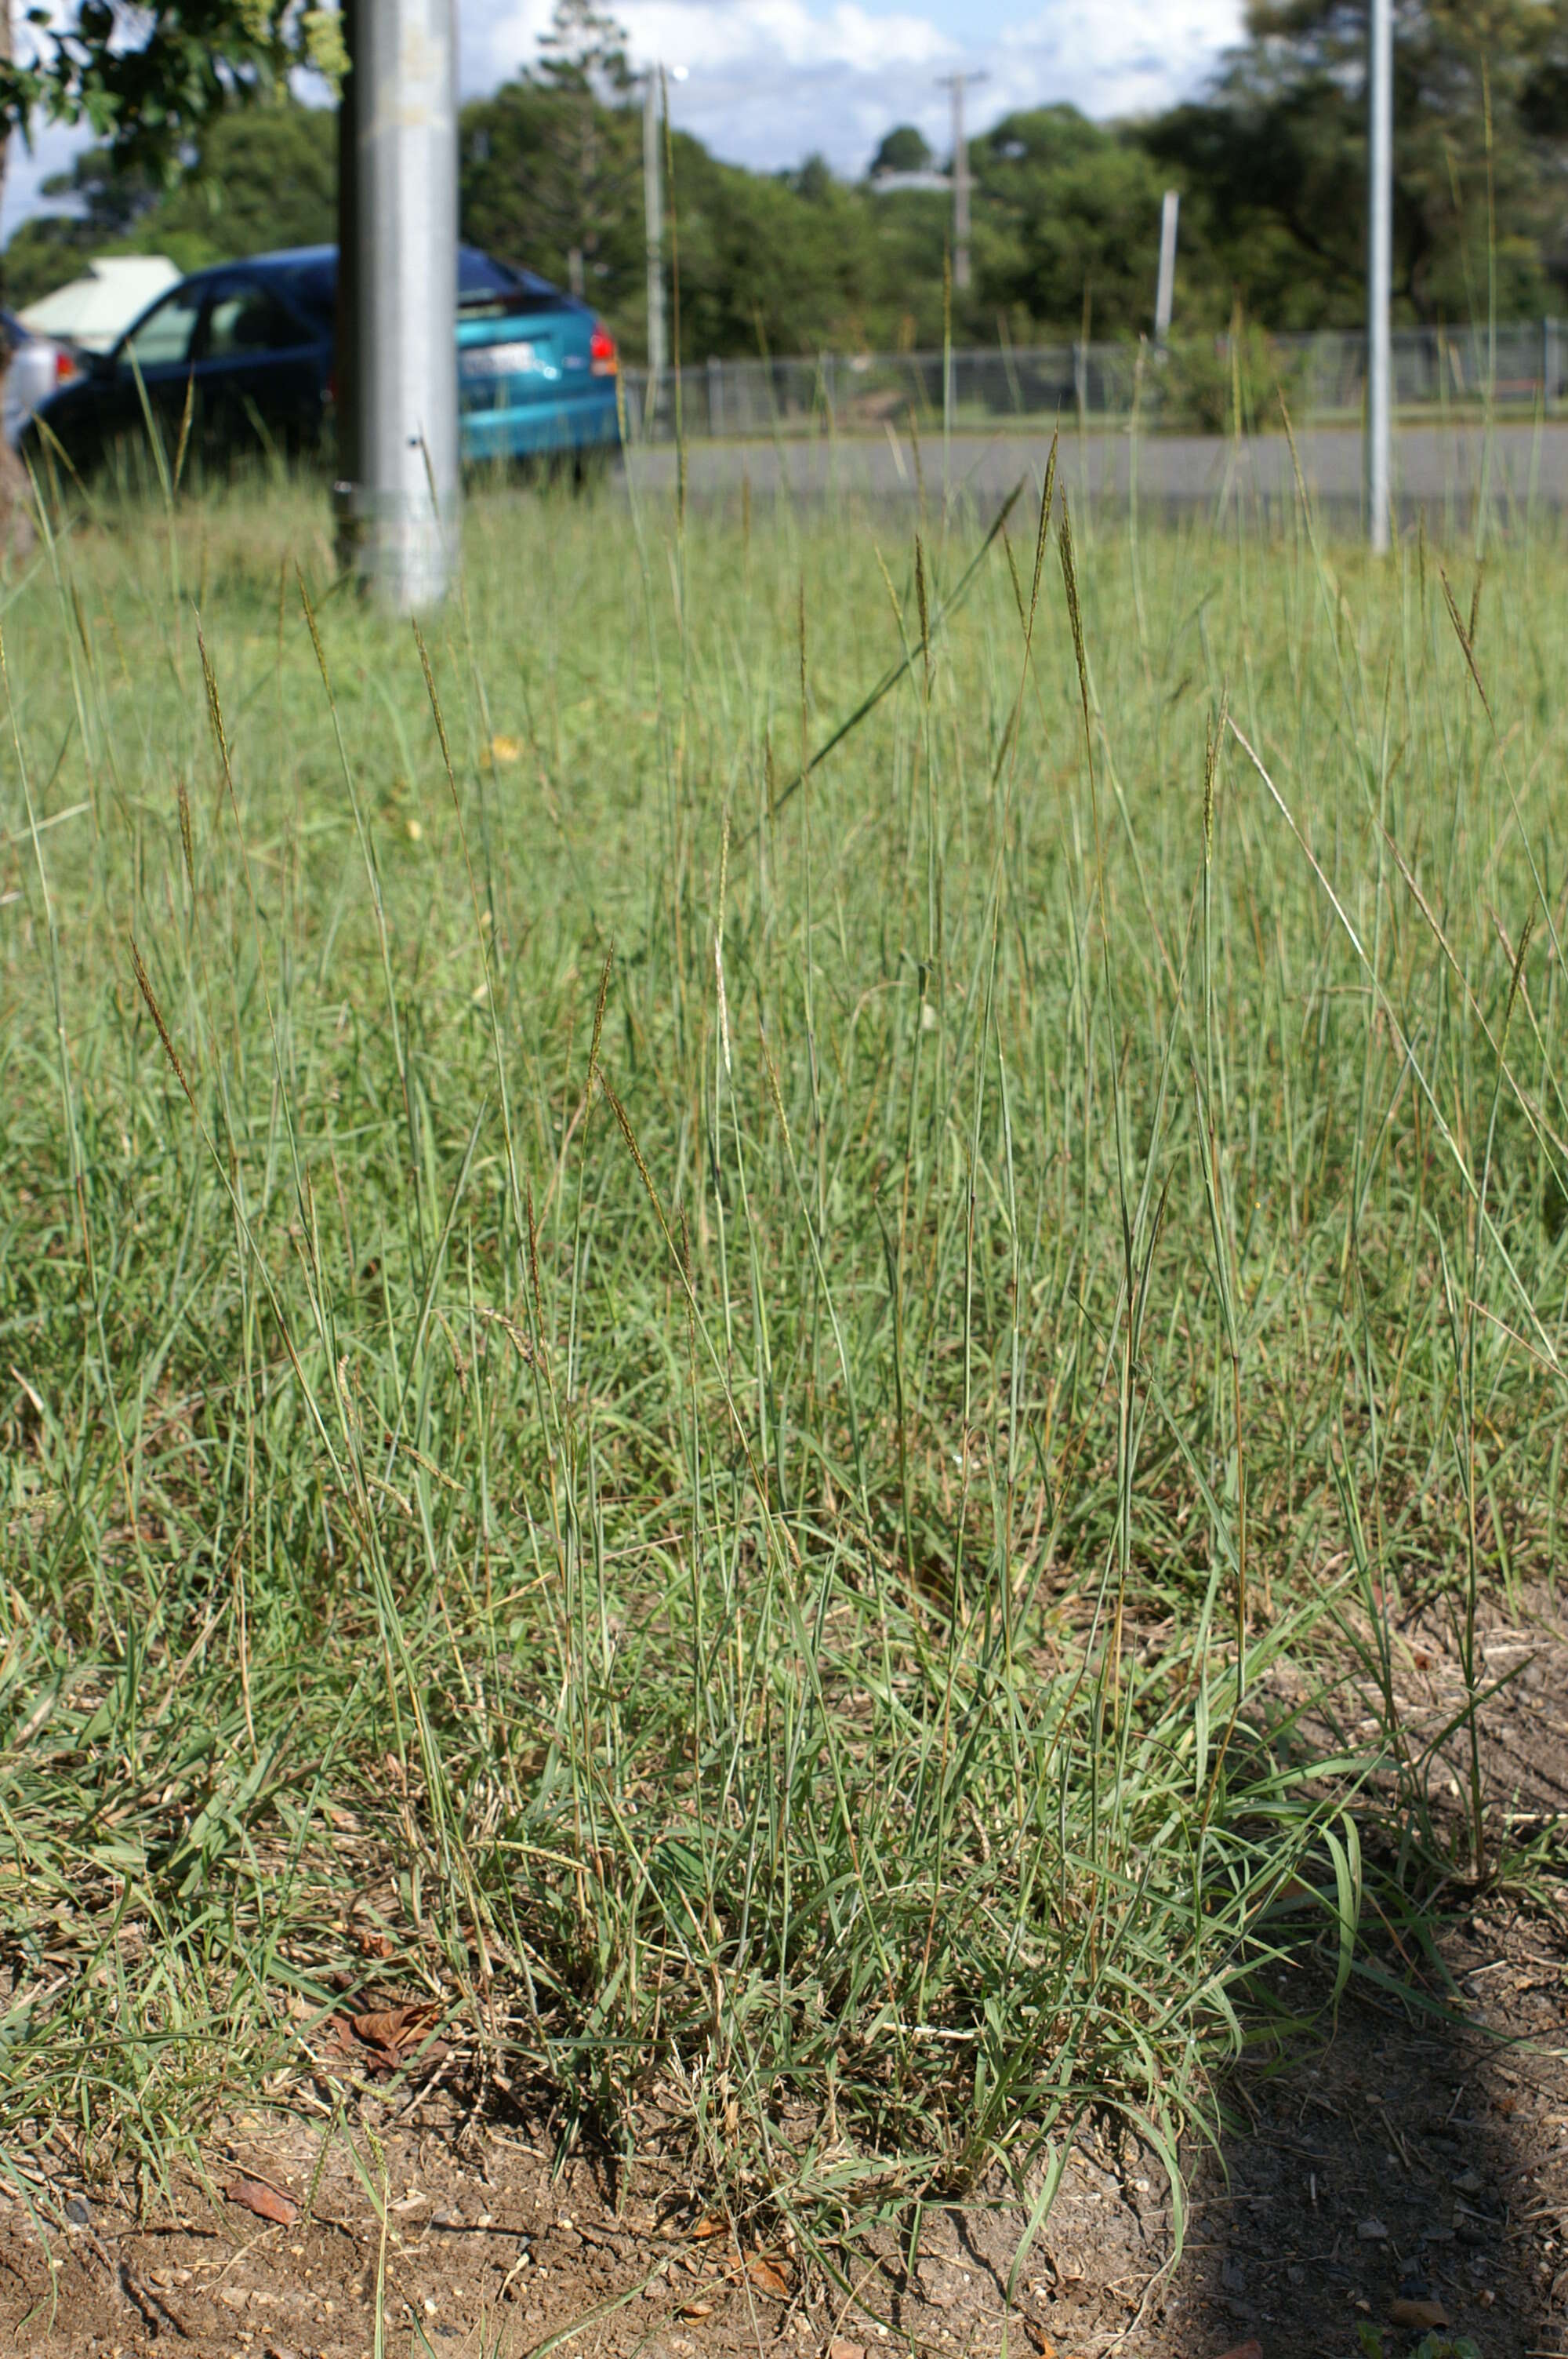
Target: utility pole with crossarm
(958, 84)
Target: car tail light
(602, 357)
(64, 366)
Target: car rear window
(483, 285)
(486, 285)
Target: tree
(1275, 166)
(795, 262)
(106, 200)
(1064, 211)
(904, 150)
(258, 177)
(148, 78)
(8, 50)
(589, 140)
(261, 176)
(521, 196)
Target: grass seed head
(144, 985)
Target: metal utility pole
(958, 84)
(1165, 288)
(1379, 266)
(654, 212)
(401, 283)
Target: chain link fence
(1194, 384)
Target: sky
(769, 81)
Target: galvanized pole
(1379, 267)
(407, 494)
(1165, 286)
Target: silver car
(38, 366)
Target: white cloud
(771, 81)
(714, 36)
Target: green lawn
(739, 1421)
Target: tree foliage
(148, 77)
(553, 176)
(258, 177)
(1270, 164)
(587, 151)
(1273, 163)
(903, 149)
(1066, 222)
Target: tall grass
(739, 1421)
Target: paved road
(1438, 468)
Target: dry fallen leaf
(370, 1943)
(1418, 2313)
(255, 2195)
(697, 2310)
(837, 2349)
(396, 2029)
(706, 2228)
(768, 2278)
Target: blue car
(250, 344)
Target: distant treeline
(1270, 164)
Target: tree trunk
(346, 326)
(17, 530)
(7, 51)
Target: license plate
(499, 360)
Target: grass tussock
(724, 1424)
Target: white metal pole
(653, 211)
(1165, 289)
(406, 136)
(1379, 267)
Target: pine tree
(590, 139)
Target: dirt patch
(1418, 2158)
(1398, 2164)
